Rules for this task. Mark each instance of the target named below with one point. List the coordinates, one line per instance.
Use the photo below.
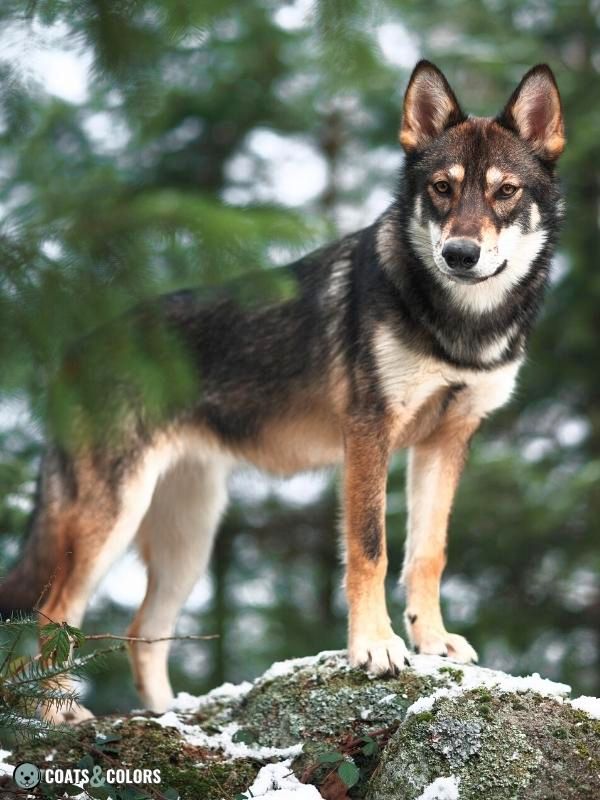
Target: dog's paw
(71, 715)
(379, 656)
(450, 645)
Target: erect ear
(534, 113)
(430, 107)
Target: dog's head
(482, 191)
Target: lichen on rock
(437, 731)
(500, 747)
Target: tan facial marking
(494, 176)
(489, 235)
(457, 172)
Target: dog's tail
(27, 583)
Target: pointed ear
(534, 113)
(430, 107)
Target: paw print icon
(26, 775)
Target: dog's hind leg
(175, 540)
(89, 527)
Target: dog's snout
(461, 254)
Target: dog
(406, 334)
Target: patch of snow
(169, 720)
(431, 666)
(591, 705)
(478, 677)
(280, 668)
(426, 702)
(389, 698)
(5, 769)
(442, 789)
(185, 702)
(533, 683)
(195, 736)
(278, 782)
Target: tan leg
(372, 642)
(175, 540)
(435, 466)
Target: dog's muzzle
(461, 256)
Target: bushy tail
(24, 587)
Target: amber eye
(507, 190)
(442, 187)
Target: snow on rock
(426, 702)
(194, 735)
(442, 789)
(278, 782)
(169, 720)
(280, 668)
(188, 703)
(591, 705)
(532, 683)
(5, 769)
(473, 677)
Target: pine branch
(41, 671)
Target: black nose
(461, 253)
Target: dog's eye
(442, 187)
(507, 190)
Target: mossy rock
(468, 732)
(196, 772)
(496, 746)
(324, 698)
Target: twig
(147, 640)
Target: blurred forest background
(147, 145)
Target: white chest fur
(408, 379)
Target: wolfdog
(405, 334)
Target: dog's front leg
(372, 642)
(434, 469)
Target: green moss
(424, 716)
(502, 746)
(456, 675)
(516, 754)
(483, 695)
(212, 781)
(324, 700)
(195, 772)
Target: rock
(313, 728)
